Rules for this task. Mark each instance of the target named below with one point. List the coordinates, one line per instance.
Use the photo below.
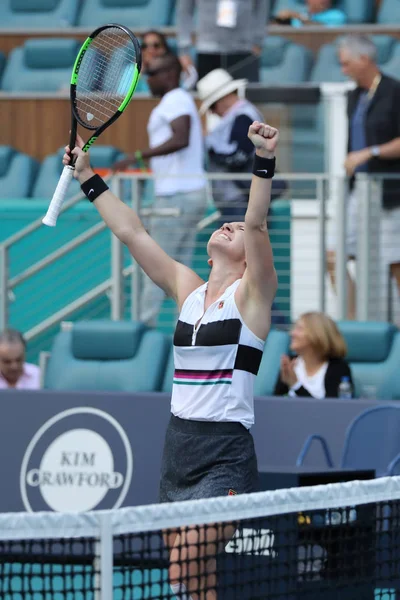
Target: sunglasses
(155, 45)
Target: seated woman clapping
(319, 365)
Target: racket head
(104, 77)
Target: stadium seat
(40, 65)
(373, 350)
(169, 372)
(327, 67)
(17, 173)
(389, 12)
(361, 11)
(38, 14)
(283, 62)
(277, 344)
(102, 157)
(133, 13)
(372, 441)
(107, 355)
(392, 66)
(2, 64)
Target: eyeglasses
(154, 72)
(155, 45)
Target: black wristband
(93, 187)
(264, 167)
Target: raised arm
(177, 280)
(259, 283)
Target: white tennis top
(217, 358)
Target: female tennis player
(218, 345)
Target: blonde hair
(324, 335)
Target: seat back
(283, 62)
(39, 14)
(138, 13)
(277, 344)
(17, 173)
(372, 351)
(169, 371)
(107, 355)
(389, 12)
(40, 65)
(373, 439)
(101, 157)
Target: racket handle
(59, 196)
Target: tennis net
(337, 541)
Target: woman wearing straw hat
(229, 149)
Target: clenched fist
(265, 138)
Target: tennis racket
(103, 81)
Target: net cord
(155, 517)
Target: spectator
(14, 371)
(155, 44)
(229, 148)
(176, 159)
(319, 366)
(318, 12)
(373, 147)
(229, 35)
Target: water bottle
(345, 391)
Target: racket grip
(59, 196)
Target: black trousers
(241, 65)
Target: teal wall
(89, 265)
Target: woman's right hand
(83, 170)
(288, 375)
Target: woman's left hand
(264, 137)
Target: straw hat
(216, 85)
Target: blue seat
(372, 442)
(107, 355)
(361, 11)
(392, 66)
(283, 62)
(38, 14)
(138, 13)
(40, 65)
(277, 344)
(373, 350)
(2, 64)
(169, 371)
(17, 173)
(389, 12)
(102, 157)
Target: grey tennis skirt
(204, 459)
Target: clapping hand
(288, 376)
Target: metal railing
(303, 236)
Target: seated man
(14, 371)
(316, 12)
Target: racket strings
(105, 77)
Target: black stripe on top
(216, 333)
(248, 359)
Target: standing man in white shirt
(176, 159)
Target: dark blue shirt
(358, 138)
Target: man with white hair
(373, 147)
